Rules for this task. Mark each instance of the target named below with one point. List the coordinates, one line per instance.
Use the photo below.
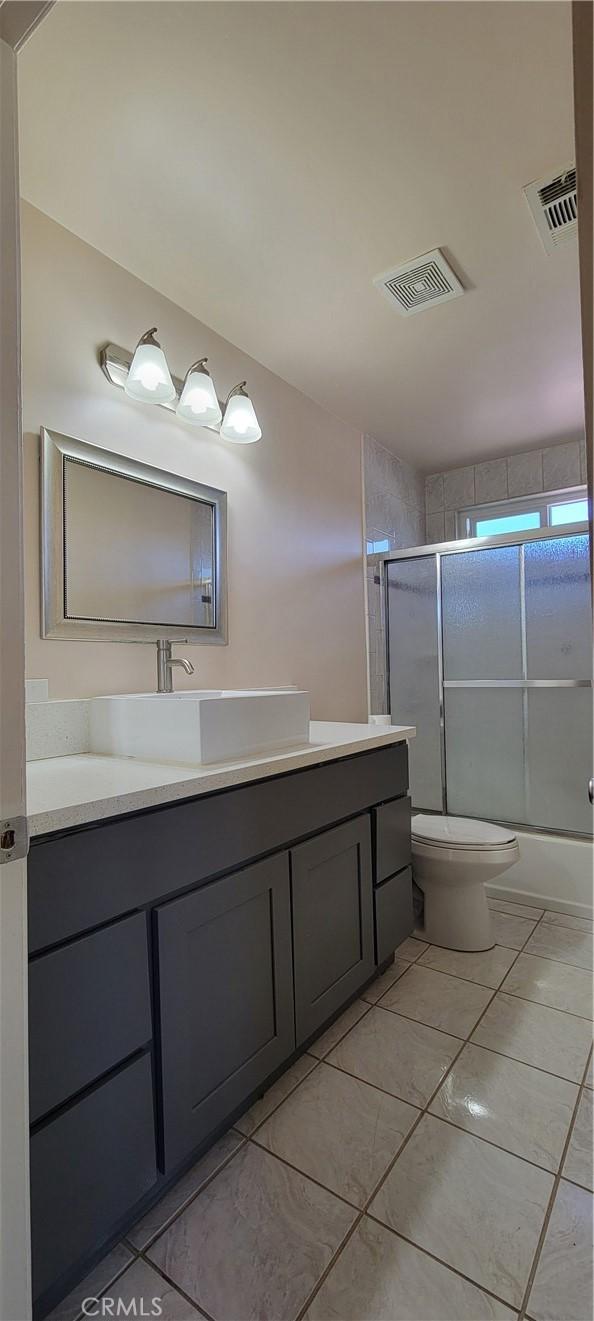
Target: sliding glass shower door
(490, 656)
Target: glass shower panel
(414, 671)
(485, 753)
(482, 635)
(559, 759)
(558, 609)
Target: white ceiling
(260, 163)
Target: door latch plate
(14, 839)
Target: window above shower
(564, 508)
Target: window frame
(540, 502)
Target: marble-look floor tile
(578, 1161)
(338, 1029)
(511, 930)
(383, 983)
(568, 920)
(535, 1034)
(94, 1284)
(511, 1104)
(280, 1089)
(488, 968)
(558, 985)
(563, 1282)
(438, 1000)
(404, 1058)
(255, 1242)
(182, 1192)
(517, 910)
(140, 1291)
(380, 1276)
(340, 1131)
(411, 949)
(562, 944)
(475, 1207)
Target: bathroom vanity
(186, 942)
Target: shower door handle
(591, 790)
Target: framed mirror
(129, 552)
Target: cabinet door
(332, 897)
(226, 998)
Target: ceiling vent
(420, 283)
(553, 203)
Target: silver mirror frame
(55, 449)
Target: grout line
(525, 1000)
(516, 1059)
(420, 1022)
(196, 1307)
(304, 1175)
(552, 1199)
(362, 1211)
(404, 1144)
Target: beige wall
(296, 590)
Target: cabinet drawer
(89, 1167)
(226, 998)
(392, 838)
(331, 890)
(393, 913)
(89, 1007)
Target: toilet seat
(458, 833)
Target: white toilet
(452, 858)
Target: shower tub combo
(490, 657)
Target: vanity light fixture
(145, 376)
(240, 423)
(149, 379)
(198, 403)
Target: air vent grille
(553, 203)
(420, 283)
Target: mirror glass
(129, 552)
(135, 553)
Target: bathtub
(553, 871)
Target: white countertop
(69, 791)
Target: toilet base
(457, 916)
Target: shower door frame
(461, 547)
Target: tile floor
(429, 1159)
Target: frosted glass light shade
(240, 423)
(198, 403)
(149, 378)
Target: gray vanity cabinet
(226, 998)
(332, 903)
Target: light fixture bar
(115, 364)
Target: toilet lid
(460, 832)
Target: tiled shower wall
(530, 473)
(394, 514)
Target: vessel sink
(200, 725)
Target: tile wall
(394, 519)
(549, 469)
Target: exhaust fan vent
(420, 283)
(553, 203)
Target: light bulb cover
(198, 402)
(149, 379)
(240, 424)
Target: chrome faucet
(165, 663)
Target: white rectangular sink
(201, 726)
